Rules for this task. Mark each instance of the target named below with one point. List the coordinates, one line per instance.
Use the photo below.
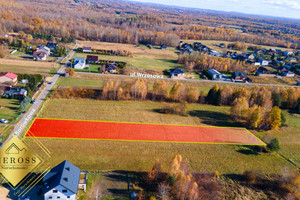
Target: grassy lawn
(8, 112)
(152, 59)
(10, 106)
(289, 137)
(79, 82)
(140, 156)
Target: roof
(213, 72)
(39, 54)
(92, 58)
(79, 59)
(10, 75)
(177, 71)
(236, 74)
(87, 48)
(111, 67)
(65, 174)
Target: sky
(277, 8)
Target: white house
(79, 63)
(86, 49)
(62, 182)
(263, 62)
(44, 49)
(217, 75)
(39, 55)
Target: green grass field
(10, 106)
(146, 60)
(79, 82)
(289, 138)
(140, 156)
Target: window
(68, 197)
(50, 197)
(58, 197)
(54, 191)
(64, 191)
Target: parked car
(50, 83)
(33, 101)
(4, 121)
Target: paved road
(190, 80)
(26, 118)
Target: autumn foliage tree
(275, 117)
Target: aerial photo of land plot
(149, 100)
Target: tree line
(258, 107)
(200, 61)
(102, 22)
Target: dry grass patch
(25, 66)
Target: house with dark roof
(163, 46)
(91, 59)
(62, 182)
(288, 73)
(44, 49)
(15, 93)
(239, 76)
(9, 78)
(177, 73)
(112, 69)
(51, 45)
(217, 75)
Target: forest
(136, 23)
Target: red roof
(87, 48)
(39, 54)
(10, 75)
(92, 58)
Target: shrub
(273, 145)
(178, 109)
(250, 176)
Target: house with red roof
(9, 78)
(86, 49)
(39, 55)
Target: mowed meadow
(143, 57)
(139, 156)
(28, 67)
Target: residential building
(177, 73)
(288, 52)
(51, 45)
(39, 55)
(263, 62)
(112, 69)
(62, 182)
(79, 63)
(239, 76)
(288, 73)
(86, 49)
(15, 93)
(217, 75)
(91, 59)
(44, 49)
(163, 46)
(9, 78)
